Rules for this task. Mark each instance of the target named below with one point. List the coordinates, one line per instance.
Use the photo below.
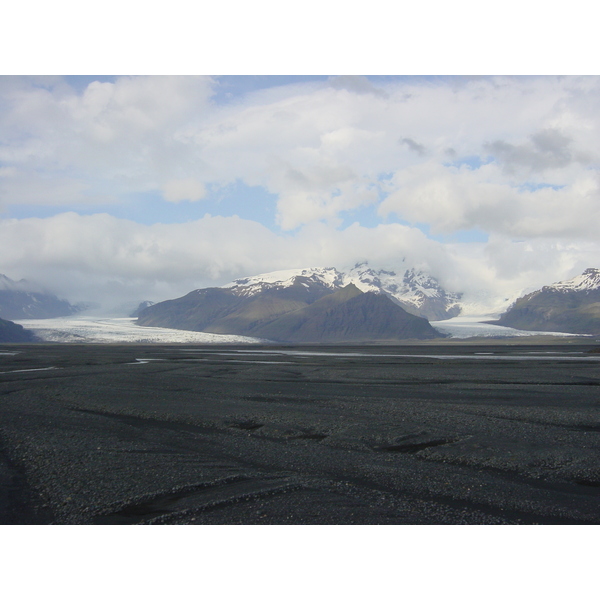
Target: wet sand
(425, 434)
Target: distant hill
(11, 332)
(571, 306)
(305, 311)
(21, 300)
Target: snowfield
(104, 330)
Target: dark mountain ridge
(571, 306)
(11, 332)
(348, 315)
(306, 311)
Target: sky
(146, 187)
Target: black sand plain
(437, 433)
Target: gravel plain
(454, 433)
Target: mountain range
(309, 305)
(571, 306)
(326, 305)
(415, 291)
(22, 300)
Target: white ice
(88, 329)
(472, 326)
(91, 329)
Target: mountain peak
(571, 306)
(415, 291)
(294, 307)
(588, 280)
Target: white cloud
(451, 199)
(143, 133)
(516, 158)
(39, 189)
(357, 84)
(105, 259)
(81, 255)
(183, 189)
(121, 133)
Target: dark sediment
(214, 435)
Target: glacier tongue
(107, 330)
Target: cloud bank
(356, 169)
(110, 260)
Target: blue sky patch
(530, 186)
(367, 217)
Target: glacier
(109, 330)
(106, 330)
(472, 326)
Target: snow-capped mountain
(306, 311)
(328, 277)
(571, 306)
(417, 292)
(23, 300)
(589, 280)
